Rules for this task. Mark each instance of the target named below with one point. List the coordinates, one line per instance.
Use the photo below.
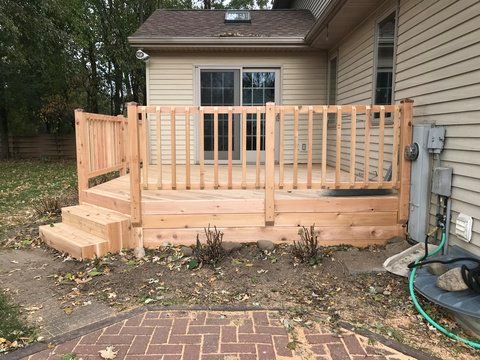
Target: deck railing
(101, 146)
(296, 147)
(173, 129)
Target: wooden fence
(44, 146)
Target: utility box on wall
(419, 184)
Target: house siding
(438, 66)
(316, 7)
(173, 82)
(355, 73)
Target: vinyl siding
(438, 65)
(172, 81)
(316, 7)
(355, 75)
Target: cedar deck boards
(178, 215)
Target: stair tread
(96, 214)
(73, 235)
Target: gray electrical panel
(442, 181)
(436, 139)
(419, 184)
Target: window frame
(391, 12)
(334, 56)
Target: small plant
(307, 249)
(52, 205)
(211, 252)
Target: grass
(26, 183)
(13, 330)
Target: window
(332, 87)
(384, 62)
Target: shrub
(307, 250)
(211, 252)
(52, 205)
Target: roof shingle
(171, 24)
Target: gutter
(328, 14)
(227, 41)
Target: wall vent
(463, 228)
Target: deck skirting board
(360, 236)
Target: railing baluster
(202, 148)
(215, 147)
(381, 133)
(158, 116)
(366, 170)
(324, 144)
(353, 145)
(146, 152)
(338, 159)
(244, 148)
(258, 135)
(173, 146)
(310, 147)
(230, 141)
(295, 147)
(281, 150)
(187, 148)
(396, 135)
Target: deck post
(270, 164)
(134, 149)
(81, 141)
(405, 165)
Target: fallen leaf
(94, 272)
(109, 353)
(68, 310)
(83, 281)
(69, 356)
(33, 308)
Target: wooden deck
(270, 199)
(178, 215)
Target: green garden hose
(419, 308)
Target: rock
(139, 253)
(186, 251)
(452, 280)
(230, 246)
(437, 269)
(265, 245)
(166, 244)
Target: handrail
(309, 125)
(100, 144)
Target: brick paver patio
(211, 335)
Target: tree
(58, 55)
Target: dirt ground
(329, 293)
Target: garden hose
(415, 301)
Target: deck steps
(77, 243)
(87, 231)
